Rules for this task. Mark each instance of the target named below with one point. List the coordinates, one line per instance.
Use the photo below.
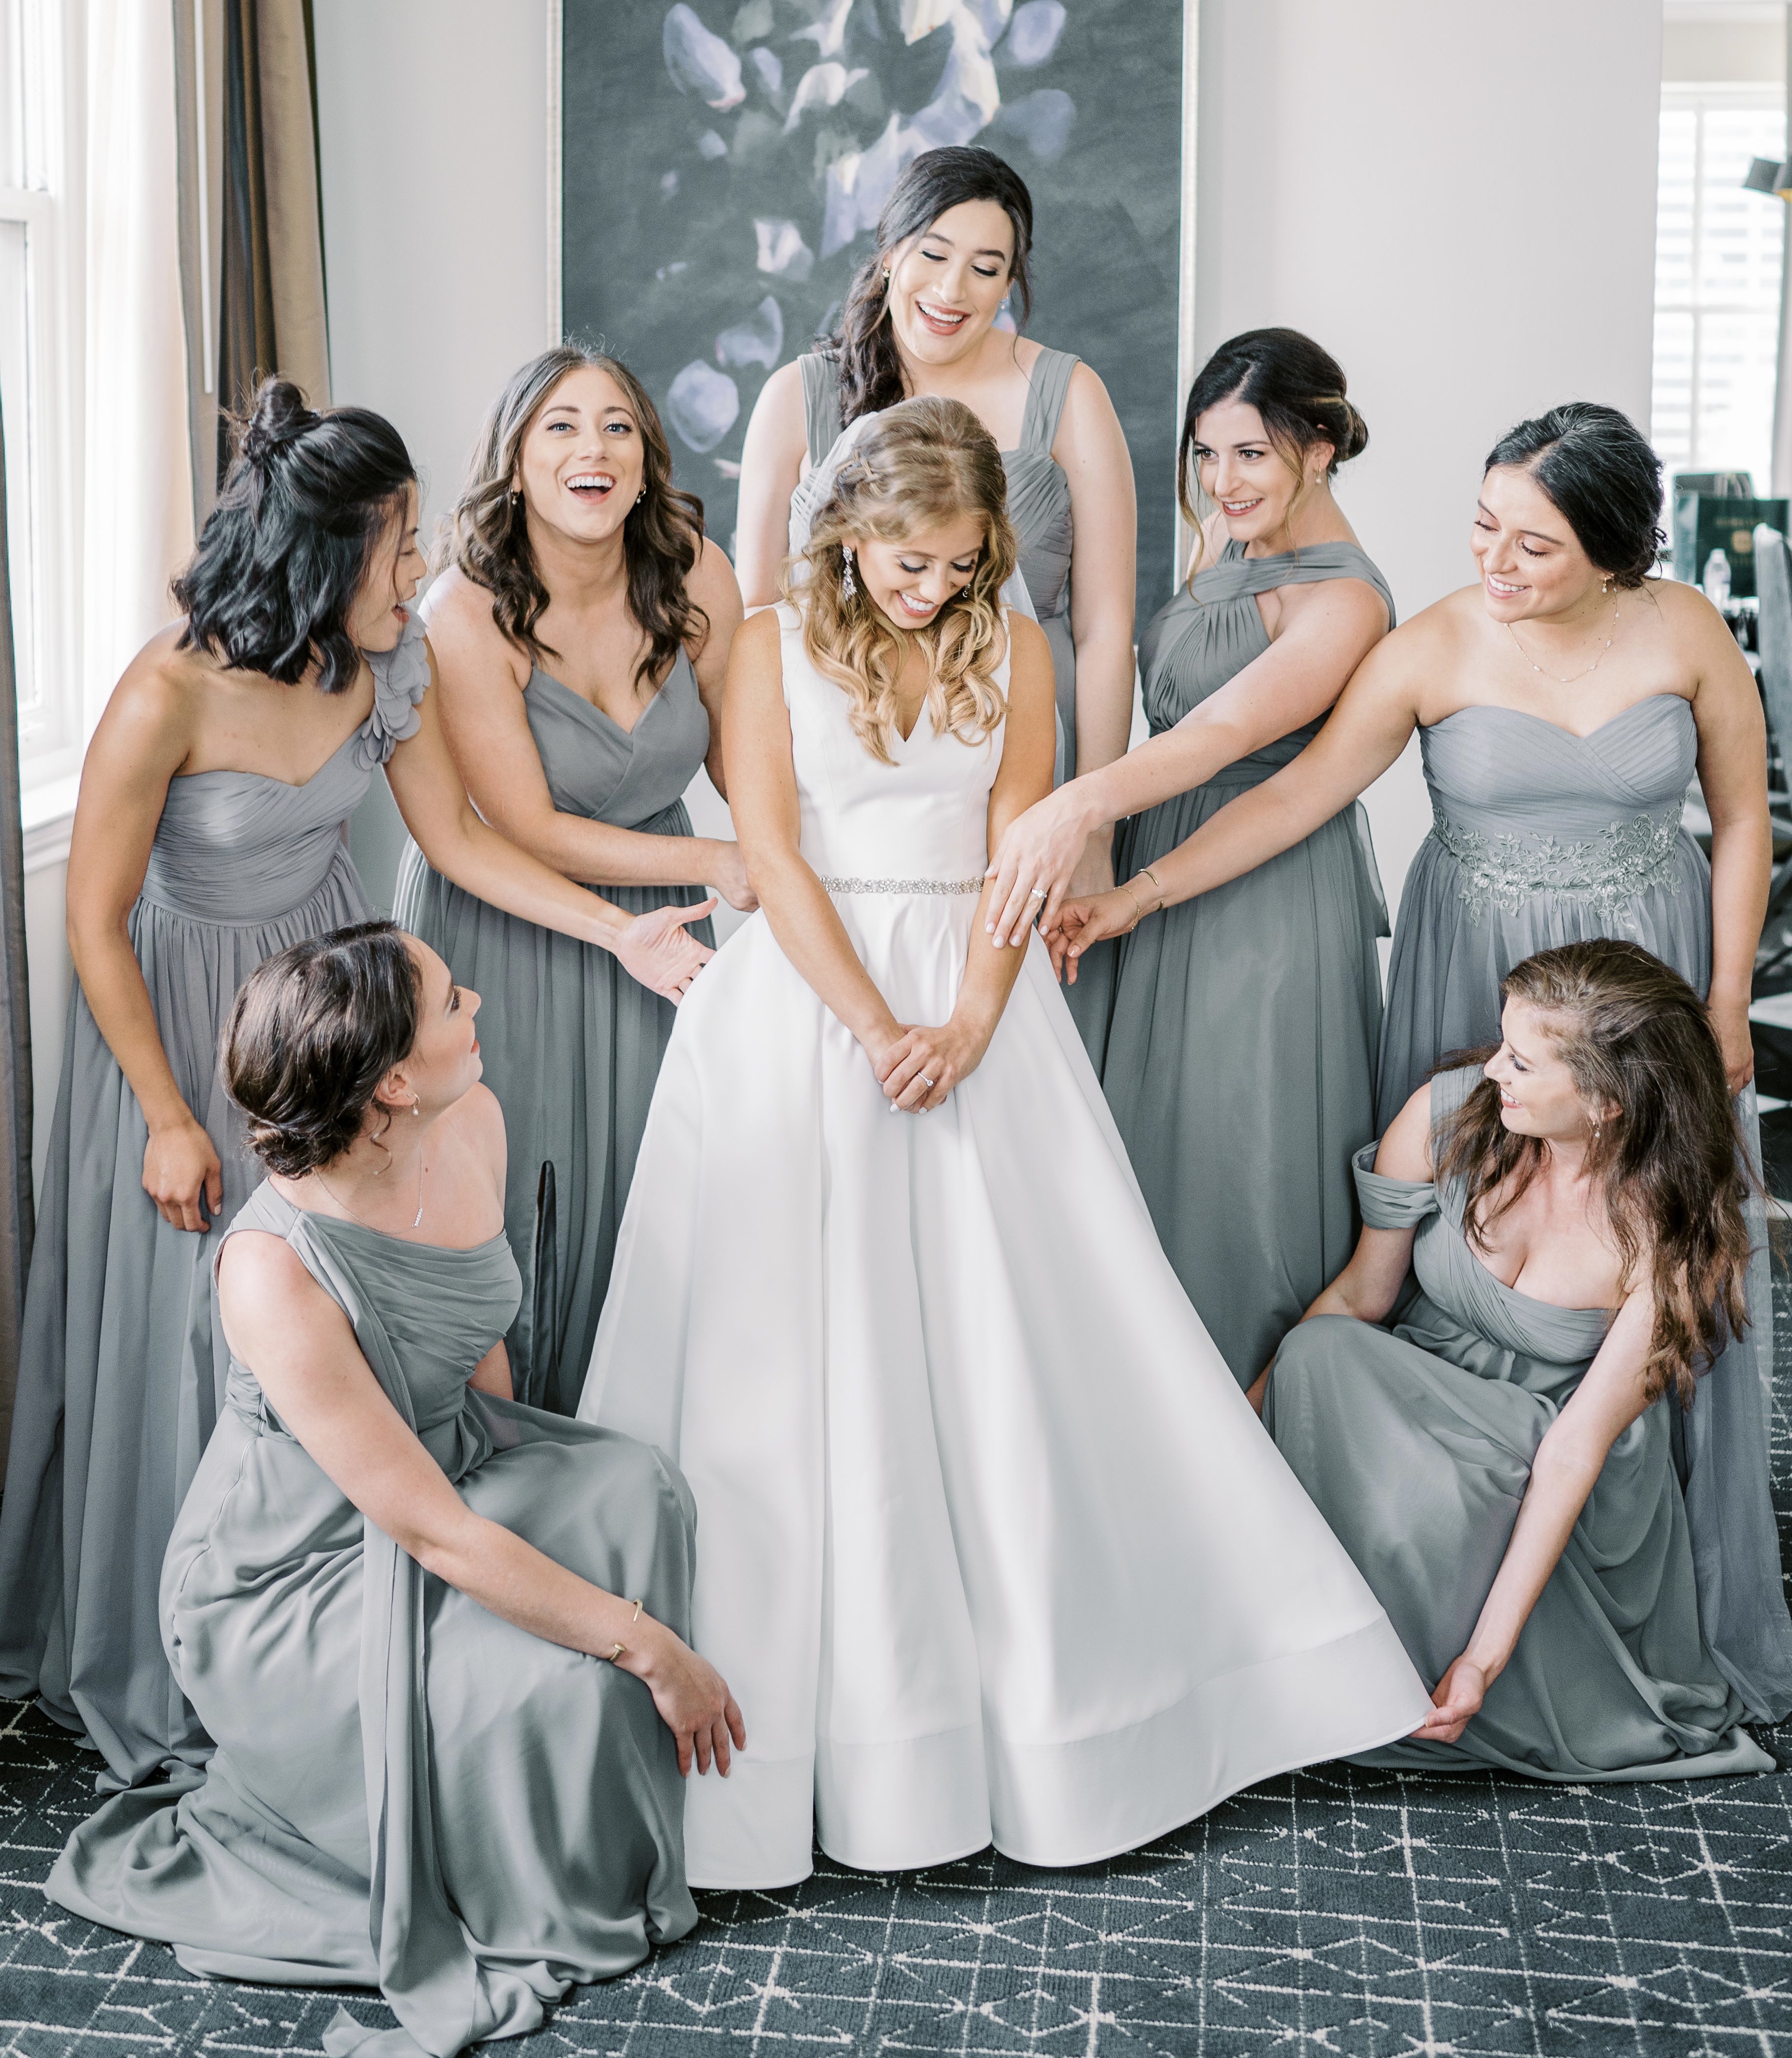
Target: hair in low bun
(1596, 467)
(308, 499)
(312, 1033)
(1298, 388)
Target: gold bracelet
(617, 1650)
(1150, 875)
(1138, 914)
(636, 1617)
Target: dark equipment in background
(1718, 510)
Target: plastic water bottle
(1716, 581)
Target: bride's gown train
(989, 1541)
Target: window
(1719, 250)
(35, 402)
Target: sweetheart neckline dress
(1269, 1070)
(571, 1043)
(992, 1544)
(1541, 837)
(408, 1793)
(121, 1366)
(1612, 1678)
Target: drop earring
(848, 585)
(641, 496)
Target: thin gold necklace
(416, 1220)
(1572, 676)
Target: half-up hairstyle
(921, 464)
(1295, 386)
(308, 501)
(937, 181)
(1636, 1036)
(487, 533)
(1597, 468)
(312, 1032)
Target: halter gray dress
(571, 1043)
(120, 1369)
(1542, 837)
(1416, 1444)
(1243, 1026)
(408, 1792)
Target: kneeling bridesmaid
(1499, 1463)
(436, 1635)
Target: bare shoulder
(1404, 1150)
(463, 630)
(758, 638)
(1026, 641)
(1693, 624)
(262, 1282)
(480, 1118)
(1086, 393)
(712, 583)
(779, 408)
(159, 696)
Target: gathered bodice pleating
(1525, 807)
(240, 848)
(624, 777)
(1213, 628)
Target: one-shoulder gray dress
(1416, 1444)
(571, 1043)
(1542, 837)
(408, 1792)
(120, 1370)
(1242, 1025)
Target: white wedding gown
(989, 1542)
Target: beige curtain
(251, 244)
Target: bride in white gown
(988, 1539)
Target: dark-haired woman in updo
(954, 245)
(1562, 703)
(437, 1637)
(208, 835)
(571, 548)
(1242, 1030)
(1556, 1231)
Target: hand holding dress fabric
(658, 950)
(182, 1168)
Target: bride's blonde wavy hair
(920, 464)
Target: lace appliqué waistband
(1625, 858)
(923, 886)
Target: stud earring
(848, 585)
(886, 275)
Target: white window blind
(1719, 250)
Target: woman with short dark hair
(209, 834)
(1569, 1209)
(437, 1637)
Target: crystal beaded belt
(1625, 858)
(831, 885)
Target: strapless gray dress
(120, 1369)
(1541, 837)
(1416, 1444)
(1239, 1029)
(408, 1792)
(571, 1043)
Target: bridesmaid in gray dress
(954, 243)
(1536, 1559)
(581, 631)
(209, 834)
(1271, 1064)
(1562, 702)
(438, 1636)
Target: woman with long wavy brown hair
(988, 1530)
(582, 626)
(1500, 1464)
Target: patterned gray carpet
(1335, 1911)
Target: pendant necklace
(1572, 676)
(416, 1220)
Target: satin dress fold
(122, 1367)
(1417, 1441)
(1243, 1026)
(1541, 837)
(571, 1043)
(992, 1544)
(409, 1792)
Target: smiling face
(947, 284)
(443, 1065)
(1538, 1096)
(581, 463)
(395, 567)
(911, 581)
(1254, 484)
(1532, 563)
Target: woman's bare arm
(1091, 447)
(1564, 1472)
(142, 740)
(712, 586)
(772, 461)
(654, 948)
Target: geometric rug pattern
(1334, 1910)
